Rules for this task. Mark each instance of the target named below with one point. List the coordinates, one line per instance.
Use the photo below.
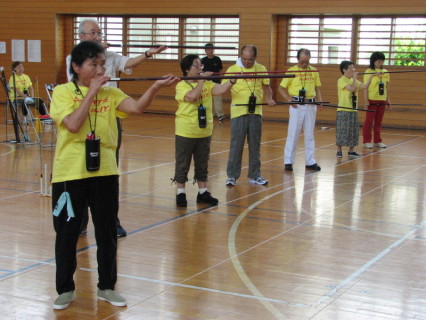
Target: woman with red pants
(377, 98)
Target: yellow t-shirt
(70, 158)
(308, 80)
(186, 122)
(345, 96)
(373, 88)
(23, 82)
(243, 88)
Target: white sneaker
(231, 182)
(380, 145)
(261, 181)
(368, 145)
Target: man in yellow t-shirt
(246, 121)
(304, 87)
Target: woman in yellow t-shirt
(376, 98)
(347, 126)
(194, 128)
(85, 169)
(21, 90)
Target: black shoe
(288, 167)
(314, 167)
(181, 200)
(206, 197)
(221, 118)
(121, 233)
(353, 154)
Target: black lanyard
(200, 99)
(304, 78)
(255, 79)
(78, 91)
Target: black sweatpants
(101, 195)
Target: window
(333, 39)
(153, 30)
(402, 40)
(222, 32)
(328, 39)
(129, 34)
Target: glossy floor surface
(347, 242)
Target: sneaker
(368, 145)
(260, 181)
(288, 167)
(339, 154)
(112, 297)
(64, 300)
(230, 182)
(181, 200)
(206, 197)
(221, 118)
(314, 167)
(121, 233)
(353, 154)
(380, 145)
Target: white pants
(302, 116)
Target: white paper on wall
(18, 50)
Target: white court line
(20, 195)
(26, 260)
(366, 266)
(246, 280)
(180, 284)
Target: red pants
(379, 107)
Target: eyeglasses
(93, 33)
(303, 61)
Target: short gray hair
(83, 22)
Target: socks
(202, 190)
(180, 190)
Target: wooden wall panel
(261, 24)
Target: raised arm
(74, 121)
(134, 62)
(131, 106)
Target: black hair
(15, 64)
(84, 50)
(303, 51)
(344, 65)
(187, 62)
(253, 47)
(374, 57)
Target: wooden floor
(347, 242)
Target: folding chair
(44, 121)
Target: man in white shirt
(89, 30)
